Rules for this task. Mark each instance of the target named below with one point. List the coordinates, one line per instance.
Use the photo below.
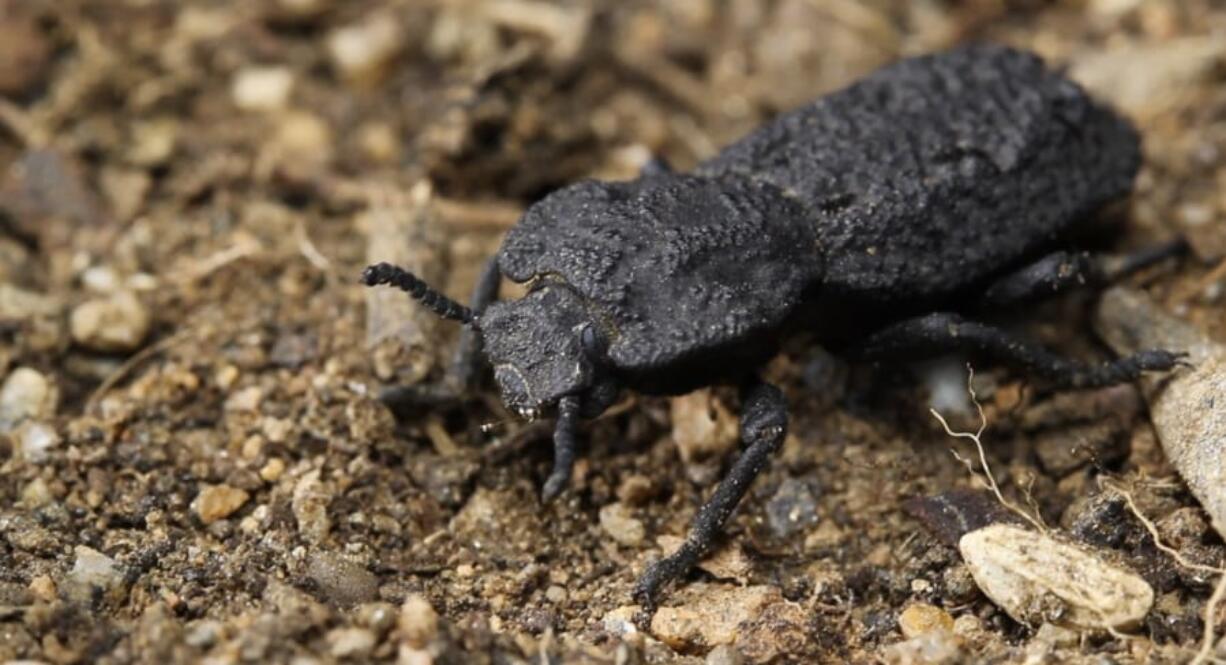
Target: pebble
(933, 648)
(418, 622)
(25, 395)
(309, 504)
(93, 569)
(921, 618)
(1145, 78)
(42, 587)
(35, 441)
(793, 508)
(341, 580)
(723, 655)
(262, 88)
(363, 51)
(110, 325)
(1036, 578)
(25, 53)
(726, 563)
(704, 431)
(272, 470)
(350, 642)
(217, 502)
(617, 521)
(247, 399)
(1191, 429)
(712, 615)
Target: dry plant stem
(1035, 520)
(91, 404)
(1205, 654)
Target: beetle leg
(1063, 271)
(462, 375)
(467, 363)
(944, 332)
(764, 419)
(564, 445)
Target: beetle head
(541, 347)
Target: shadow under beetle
(874, 218)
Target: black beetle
(939, 184)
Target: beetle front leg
(565, 441)
(462, 375)
(764, 420)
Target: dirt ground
(194, 466)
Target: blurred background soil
(193, 463)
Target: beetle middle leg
(764, 420)
(944, 332)
(465, 367)
(1063, 271)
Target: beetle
(878, 218)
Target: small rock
(712, 615)
(217, 502)
(723, 654)
(25, 53)
(1145, 78)
(153, 143)
(555, 594)
(920, 618)
(262, 88)
(247, 399)
(21, 305)
(341, 580)
(272, 470)
(95, 569)
(42, 587)
(350, 642)
(635, 489)
(36, 494)
(111, 325)
(778, 631)
(363, 52)
(726, 563)
(933, 648)
(418, 622)
(303, 142)
(704, 431)
(617, 521)
(793, 508)
(44, 187)
(310, 506)
(102, 280)
(35, 440)
(1036, 579)
(25, 395)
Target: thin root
(1035, 520)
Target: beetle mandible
(874, 218)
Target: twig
(1205, 654)
(988, 478)
(310, 251)
(130, 364)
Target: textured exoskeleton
(871, 218)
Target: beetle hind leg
(944, 332)
(1060, 272)
(764, 419)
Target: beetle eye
(593, 342)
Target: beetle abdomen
(938, 171)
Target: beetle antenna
(386, 273)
